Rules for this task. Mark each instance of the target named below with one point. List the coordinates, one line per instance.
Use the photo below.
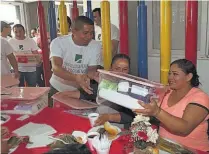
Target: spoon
(54, 138)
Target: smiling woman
(183, 112)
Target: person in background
(98, 31)
(21, 43)
(120, 116)
(7, 53)
(39, 68)
(69, 22)
(183, 112)
(6, 29)
(33, 32)
(75, 58)
(109, 111)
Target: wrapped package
(126, 90)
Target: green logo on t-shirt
(78, 58)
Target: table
(61, 121)
(64, 123)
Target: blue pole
(89, 11)
(142, 40)
(52, 20)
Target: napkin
(33, 129)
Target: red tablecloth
(64, 123)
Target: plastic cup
(92, 118)
(90, 137)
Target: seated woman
(108, 110)
(184, 110)
(120, 63)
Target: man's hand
(84, 82)
(17, 75)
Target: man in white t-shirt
(6, 29)
(7, 53)
(75, 58)
(98, 31)
(21, 43)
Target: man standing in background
(7, 53)
(6, 29)
(25, 45)
(98, 31)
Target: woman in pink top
(184, 110)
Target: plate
(7, 117)
(94, 129)
(81, 135)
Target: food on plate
(79, 140)
(68, 138)
(14, 141)
(111, 130)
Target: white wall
(153, 60)
(202, 69)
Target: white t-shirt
(76, 59)
(114, 33)
(6, 38)
(27, 45)
(6, 49)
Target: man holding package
(75, 58)
(23, 45)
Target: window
(178, 27)
(14, 12)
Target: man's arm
(14, 64)
(59, 71)
(38, 58)
(114, 47)
(82, 80)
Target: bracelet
(158, 112)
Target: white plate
(94, 129)
(80, 134)
(7, 119)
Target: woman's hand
(150, 109)
(102, 119)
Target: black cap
(5, 24)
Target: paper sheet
(33, 129)
(39, 141)
(38, 134)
